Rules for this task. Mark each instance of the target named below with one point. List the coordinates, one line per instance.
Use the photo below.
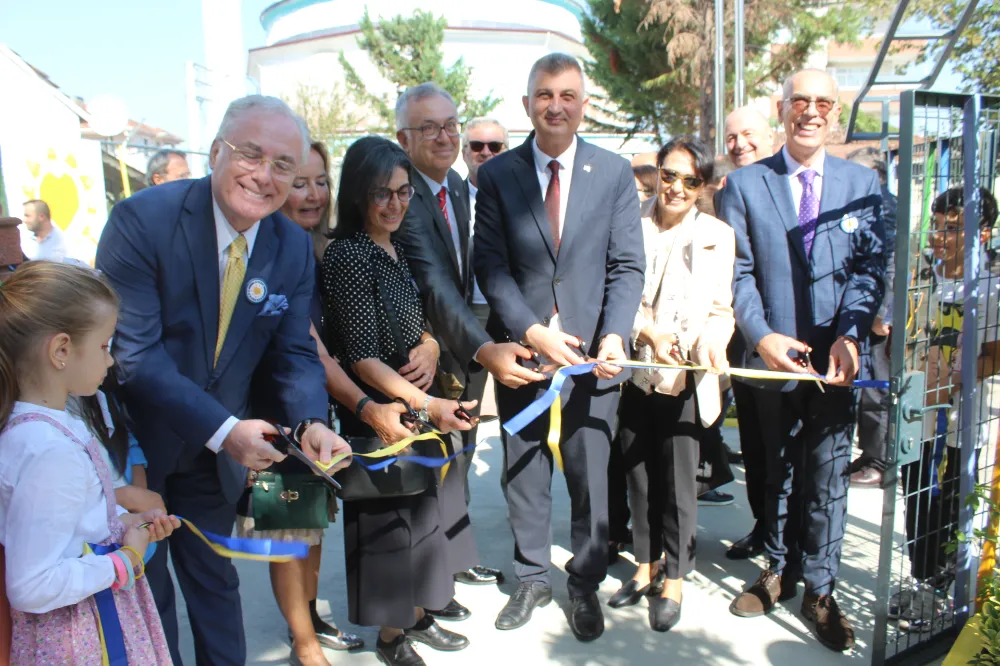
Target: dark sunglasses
(669, 177)
(383, 195)
(495, 146)
(824, 105)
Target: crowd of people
(221, 306)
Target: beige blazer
(688, 292)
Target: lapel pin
(256, 290)
(849, 224)
(586, 167)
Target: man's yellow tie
(232, 284)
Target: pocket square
(275, 305)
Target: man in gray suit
(559, 256)
(808, 281)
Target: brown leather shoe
(866, 477)
(759, 598)
(832, 628)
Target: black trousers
(873, 412)
(588, 414)
(807, 439)
(618, 509)
(659, 439)
(932, 507)
(752, 447)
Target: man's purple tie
(808, 208)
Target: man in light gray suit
(560, 258)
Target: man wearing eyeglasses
(808, 283)
(216, 286)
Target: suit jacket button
(545, 322)
(558, 281)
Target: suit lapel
(460, 203)
(198, 225)
(527, 179)
(433, 208)
(265, 252)
(832, 186)
(776, 179)
(579, 191)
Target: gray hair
(871, 158)
(415, 94)
(237, 108)
(786, 88)
(555, 63)
(476, 122)
(157, 164)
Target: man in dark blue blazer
(560, 258)
(215, 284)
(808, 280)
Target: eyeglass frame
(437, 133)
(686, 181)
(277, 172)
(388, 193)
(484, 144)
(811, 101)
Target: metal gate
(944, 432)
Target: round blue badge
(256, 290)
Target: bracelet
(121, 571)
(131, 574)
(361, 406)
(142, 564)
(300, 429)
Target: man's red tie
(443, 202)
(552, 203)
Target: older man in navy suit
(216, 285)
(808, 281)
(559, 256)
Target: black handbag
(400, 479)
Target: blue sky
(133, 50)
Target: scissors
(412, 417)
(286, 445)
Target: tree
(407, 52)
(327, 115)
(779, 36)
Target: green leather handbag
(289, 501)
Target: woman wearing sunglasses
(685, 318)
(398, 559)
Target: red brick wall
(10, 241)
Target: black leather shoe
(749, 546)
(335, 639)
(663, 613)
(519, 607)
(478, 575)
(586, 619)
(630, 593)
(398, 652)
(453, 612)
(430, 633)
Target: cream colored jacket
(688, 292)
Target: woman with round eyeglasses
(397, 555)
(685, 317)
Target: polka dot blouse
(356, 322)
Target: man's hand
(500, 360)
(442, 414)
(554, 345)
(843, 363)
(423, 364)
(879, 327)
(611, 349)
(322, 444)
(384, 420)
(712, 356)
(247, 446)
(774, 348)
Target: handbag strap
(390, 313)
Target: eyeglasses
(801, 102)
(669, 177)
(431, 130)
(251, 160)
(383, 195)
(495, 146)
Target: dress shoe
(519, 607)
(759, 598)
(478, 575)
(832, 628)
(866, 477)
(734, 457)
(397, 652)
(453, 612)
(334, 638)
(749, 546)
(715, 498)
(586, 619)
(430, 633)
(663, 613)
(630, 593)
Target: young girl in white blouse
(57, 507)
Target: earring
(62, 365)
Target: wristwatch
(300, 429)
(423, 414)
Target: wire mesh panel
(945, 427)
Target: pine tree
(407, 52)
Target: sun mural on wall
(70, 190)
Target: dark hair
(723, 167)
(646, 173)
(40, 207)
(157, 165)
(871, 158)
(704, 165)
(368, 163)
(553, 63)
(954, 200)
(117, 442)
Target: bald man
(749, 136)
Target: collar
(794, 168)
(54, 234)
(431, 183)
(225, 234)
(565, 160)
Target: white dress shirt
(225, 235)
(51, 248)
(566, 161)
(794, 169)
(477, 294)
(435, 188)
(51, 504)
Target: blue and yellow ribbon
(390, 454)
(109, 627)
